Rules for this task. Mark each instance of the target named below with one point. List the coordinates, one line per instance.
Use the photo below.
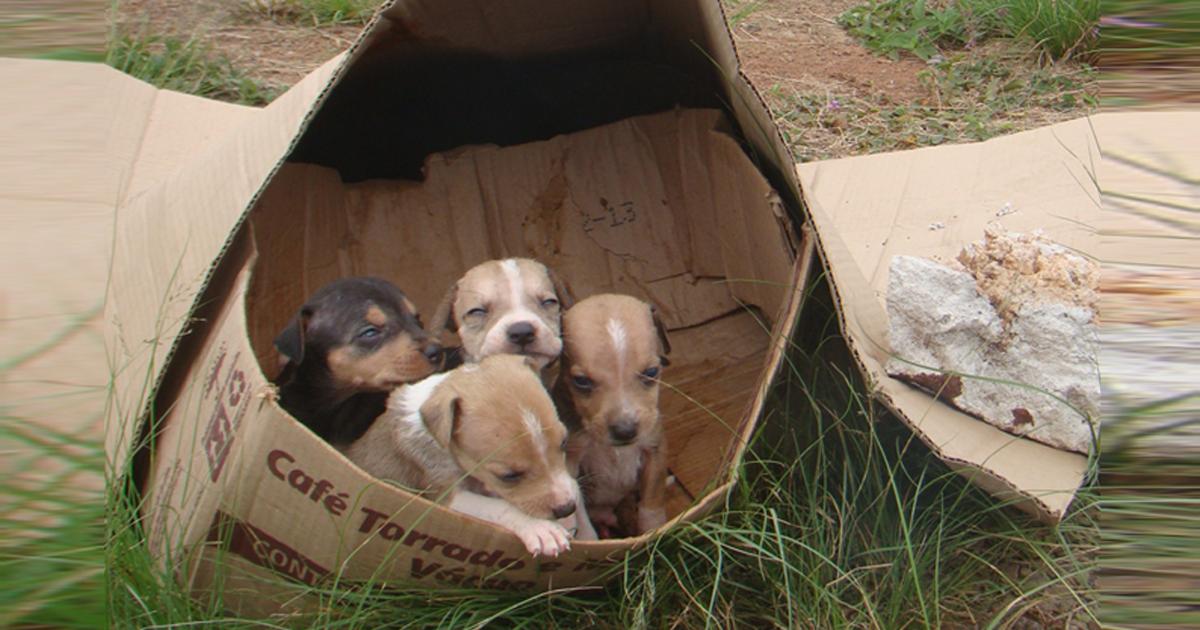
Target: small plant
(1061, 28)
(315, 12)
(184, 66)
(894, 26)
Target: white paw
(544, 538)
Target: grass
(1060, 29)
(314, 12)
(972, 97)
(841, 519)
(184, 66)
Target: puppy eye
(549, 303)
(370, 332)
(478, 311)
(582, 383)
(649, 374)
(512, 476)
(563, 446)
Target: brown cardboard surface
(1150, 161)
(870, 208)
(80, 139)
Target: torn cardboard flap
(930, 203)
(167, 237)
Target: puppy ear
(566, 298)
(663, 340)
(441, 414)
(290, 342)
(443, 317)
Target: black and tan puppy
(354, 341)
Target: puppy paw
(545, 538)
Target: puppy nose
(623, 431)
(564, 510)
(433, 352)
(521, 333)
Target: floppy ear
(664, 341)
(566, 299)
(290, 342)
(443, 317)
(441, 414)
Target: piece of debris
(1009, 336)
(1006, 209)
(936, 225)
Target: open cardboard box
(193, 244)
(617, 142)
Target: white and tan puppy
(483, 439)
(510, 306)
(614, 351)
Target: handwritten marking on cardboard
(611, 215)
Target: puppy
(510, 306)
(353, 342)
(615, 348)
(483, 439)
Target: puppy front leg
(652, 510)
(540, 536)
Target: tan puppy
(483, 439)
(613, 356)
(510, 306)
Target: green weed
(184, 66)
(1060, 28)
(894, 26)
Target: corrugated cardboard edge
(987, 456)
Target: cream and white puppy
(510, 306)
(614, 352)
(483, 439)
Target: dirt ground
(793, 51)
(792, 42)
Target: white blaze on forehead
(512, 273)
(616, 332)
(535, 429)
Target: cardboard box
(616, 141)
